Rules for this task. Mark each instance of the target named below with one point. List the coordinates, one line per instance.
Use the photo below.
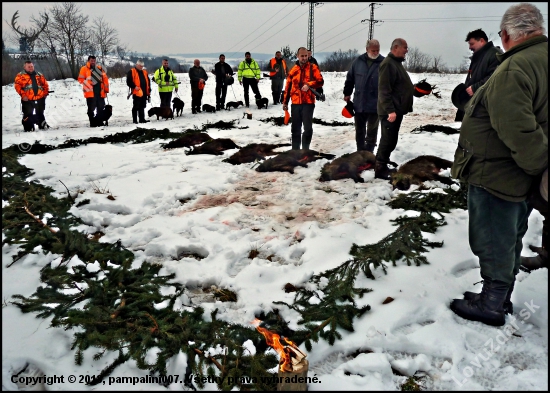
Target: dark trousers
(250, 82)
(221, 92)
(138, 108)
(496, 228)
(95, 103)
(366, 124)
(276, 89)
(302, 114)
(388, 139)
(196, 97)
(165, 99)
(38, 107)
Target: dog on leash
(420, 169)
(233, 104)
(262, 102)
(178, 106)
(349, 166)
(164, 112)
(102, 118)
(209, 108)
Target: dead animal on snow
(214, 146)
(349, 166)
(189, 140)
(288, 160)
(253, 152)
(420, 169)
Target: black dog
(178, 106)
(262, 102)
(102, 118)
(233, 104)
(164, 112)
(208, 108)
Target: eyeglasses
(499, 33)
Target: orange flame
(274, 341)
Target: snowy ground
(225, 217)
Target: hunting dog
(164, 112)
(288, 160)
(253, 152)
(233, 104)
(189, 140)
(209, 108)
(102, 118)
(349, 166)
(178, 106)
(214, 146)
(420, 169)
(262, 102)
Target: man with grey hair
(140, 87)
(395, 99)
(363, 76)
(502, 152)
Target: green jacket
(395, 88)
(160, 79)
(246, 70)
(503, 142)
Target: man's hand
(176, 89)
(305, 88)
(285, 107)
(346, 98)
(240, 83)
(24, 98)
(470, 91)
(391, 117)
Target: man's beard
(372, 57)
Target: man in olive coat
(502, 150)
(395, 99)
(484, 63)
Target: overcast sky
(236, 27)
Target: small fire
(290, 355)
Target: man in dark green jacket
(503, 147)
(395, 99)
(484, 63)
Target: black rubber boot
(134, 116)
(507, 306)
(306, 141)
(275, 98)
(487, 309)
(381, 171)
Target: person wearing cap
(395, 100)
(502, 152)
(300, 80)
(223, 73)
(138, 81)
(483, 63)
(277, 72)
(363, 77)
(95, 86)
(249, 76)
(197, 78)
(166, 80)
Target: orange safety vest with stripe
(272, 64)
(23, 86)
(85, 79)
(135, 78)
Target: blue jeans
(496, 229)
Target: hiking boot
(144, 121)
(381, 171)
(487, 309)
(193, 111)
(507, 306)
(135, 122)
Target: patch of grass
(410, 385)
(225, 295)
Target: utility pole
(372, 21)
(310, 24)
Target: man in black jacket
(363, 76)
(484, 63)
(222, 70)
(197, 76)
(395, 99)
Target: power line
(281, 29)
(345, 38)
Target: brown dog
(420, 169)
(349, 166)
(214, 146)
(188, 140)
(253, 152)
(288, 160)
(164, 112)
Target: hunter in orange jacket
(300, 75)
(85, 79)
(23, 84)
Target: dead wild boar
(349, 166)
(420, 169)
(214, 146)
(188, 140)
(288, 160)
(253, 152)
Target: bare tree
(339, 61)
(105, 37)
(70, 33)
(416, 61)
(437, 64)
(27, 36)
